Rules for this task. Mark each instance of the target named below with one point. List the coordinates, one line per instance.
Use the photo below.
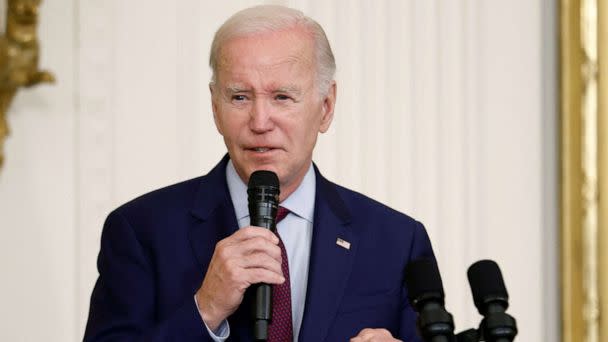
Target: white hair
(273, 18)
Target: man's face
(267, 104)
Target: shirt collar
(301, 202)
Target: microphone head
(423, 283)
(487, 285)
(263, 178)
(263, 199)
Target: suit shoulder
(402, 236)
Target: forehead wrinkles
(289, 74)
(227, 63)
(260, 52)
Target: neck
(287, 190)
(290, 187)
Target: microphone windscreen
(486, 283)
(423, 281)
(263, 178)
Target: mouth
(261, 149)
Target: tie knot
(281, 213)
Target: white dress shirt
(295, 231)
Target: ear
(214, 105)
(329, 103)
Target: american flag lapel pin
(343, 243)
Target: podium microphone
(492, 300)
(263, 201)
(425, 292)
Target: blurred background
(447, 111)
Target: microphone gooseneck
(492, 300)
(263, 202)
(425, 293)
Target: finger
(381, 333)
(261, 275)
(253, 231)
(369, 334)
(235, 247)
(245, 248)
(262, 260)
(366, 333)
(259, 245)
(360, 338)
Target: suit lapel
(215, 220)
(213, 212)
(330, 263)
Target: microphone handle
(263, 291)
(441, 338)
(263, 311)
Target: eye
(239, 98)
(282, 97)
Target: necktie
(281, 327)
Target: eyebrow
(290, 89)
(237, 89)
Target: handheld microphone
(425, 292)
(492, 300)
(263, 202)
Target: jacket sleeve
(123, 300)
(420, 248)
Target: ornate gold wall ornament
(19, 53)
(584, 166)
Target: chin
(266, 167)
(250, 168)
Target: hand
(374, 335)
(249, 256)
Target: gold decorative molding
(19, 51)
(603, 166)
(584, 167)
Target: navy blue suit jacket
(155, 251)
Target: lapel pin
(343, 243)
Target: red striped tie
(281, 327)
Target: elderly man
(176, 264)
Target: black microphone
(263, 198)
(425, 292)
(492, 300)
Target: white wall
(445, 111)
(38, 287)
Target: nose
(260, 118)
